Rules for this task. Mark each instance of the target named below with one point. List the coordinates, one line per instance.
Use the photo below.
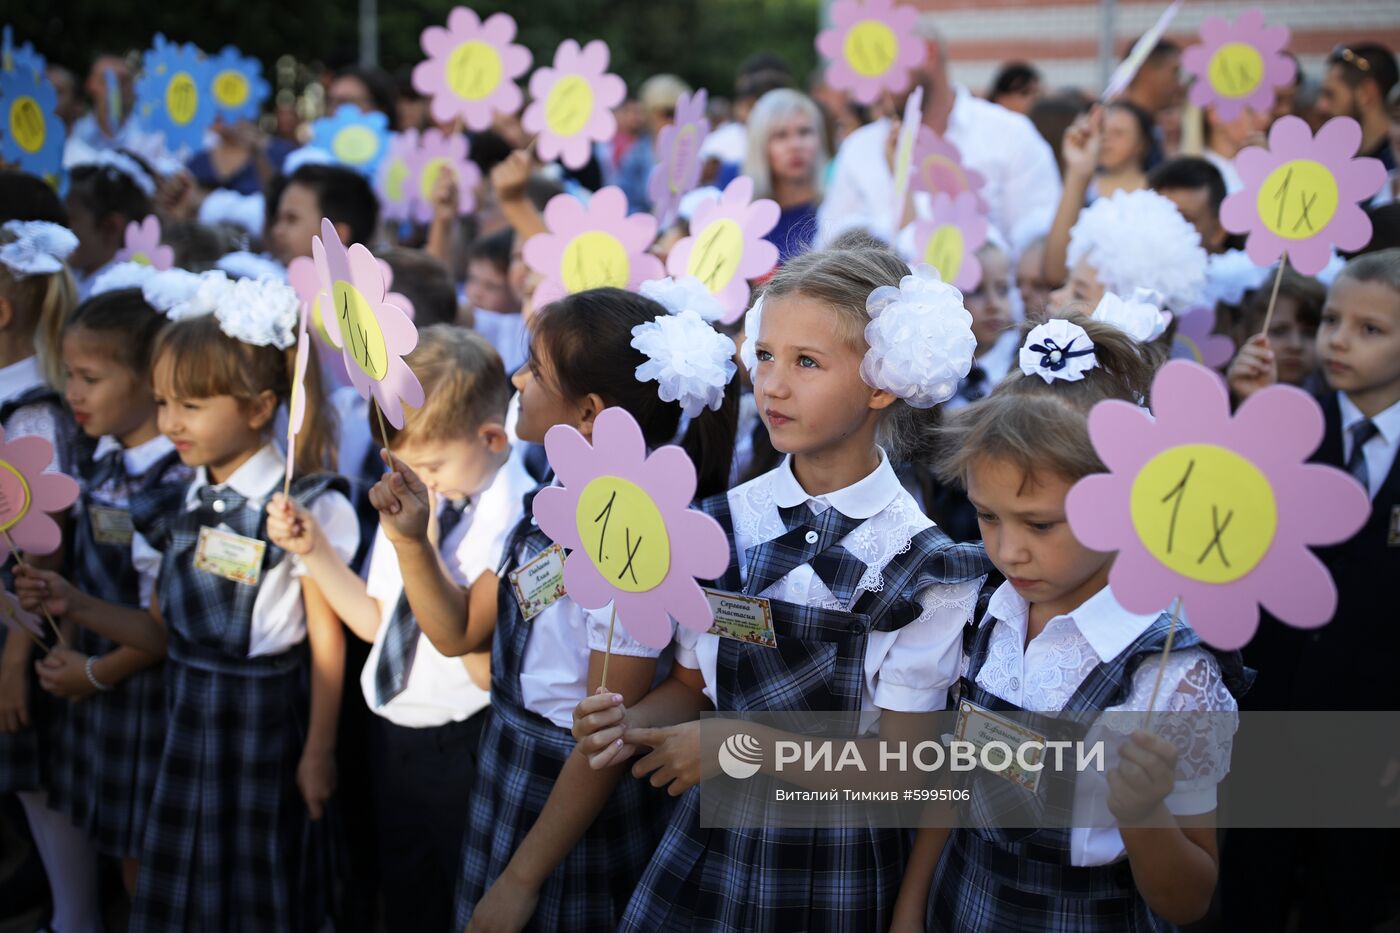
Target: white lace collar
(1105, 625)
(860, 500)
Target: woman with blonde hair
(787, 161)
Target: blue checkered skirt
(229, 845)
(841, 879)
(521, 755)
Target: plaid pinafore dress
(25, 755)
(107, 748)
(229, 844)
(521, 756)
(993, 880)
(780, 879)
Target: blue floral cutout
(31, 134)
(237, 85)
(172, 94)
(354, 139)
(14, 57)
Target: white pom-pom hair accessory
(690, 360)
(38, 248)
(686, 293)
(920, 338)
(1058, 349)
(1138, 240)
(258, 312)
(1140, 317)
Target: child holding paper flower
(36, 297)
(107, 747)
(249, 749)
(1055, 639)
(868, 598)
(550, 843)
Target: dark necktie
(1361, 432)
(810, 539)
(401, 640)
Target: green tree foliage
(701, 40)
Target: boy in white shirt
(429, 708)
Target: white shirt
(1380, 449)
(439, 690)
(908, 670)
(136, 461)
(1044, 674)
(1023, 181)
(1233, 182)
(507, 333)
(29, 421)
(279, 617)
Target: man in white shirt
(1022, 180)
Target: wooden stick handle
(607, 655)
(1162, 668)
(1273, 299)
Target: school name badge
(982, 727)
(226, 554)
(742, 618)
(539, 584)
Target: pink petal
(387, 401)
(541, 82)
(706, 554)
(1226, 617)
(610, 91)
(617, 432)
(1122, 435)
(1140, 583)
(644, 617)
(36, 533)
(52, 492)
(587, 587)
(566, 57)
(499, 28)
(1097, 508)
(554, 511)
(1259, 419)
(1340, 137)
(669, 476)
(570, 455)
(594, 57)
(365, 274)
(1320, 504)
(687, 604)
(1308, 256)
(436, 43)
(1300, 592)
(515, 61)
(464, 22)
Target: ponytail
(42, 305)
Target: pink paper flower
(872, 45)
(373, 333)
(949, 241)
(1300, 194)
(28, 493)
(571, 104)
(596, 246)
(439, 153)
(625, 518)
(1238, 65)
(471, 68)
(1195, 340)
(938, 167)
(397, 177)
(677, 169)
(1215, 509)
(142, 245)
(726, 247)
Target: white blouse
(279, 617)
(439, 689)
(28, 421)
(1044, 674)
(909, 670)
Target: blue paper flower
(32, 133)
(13, 57)
(237, 85)
(172, 94)
(354, 139)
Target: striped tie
(1361, 432)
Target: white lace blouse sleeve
(917, 666)
(341, 526)
(597, 621)
(1199, 716)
